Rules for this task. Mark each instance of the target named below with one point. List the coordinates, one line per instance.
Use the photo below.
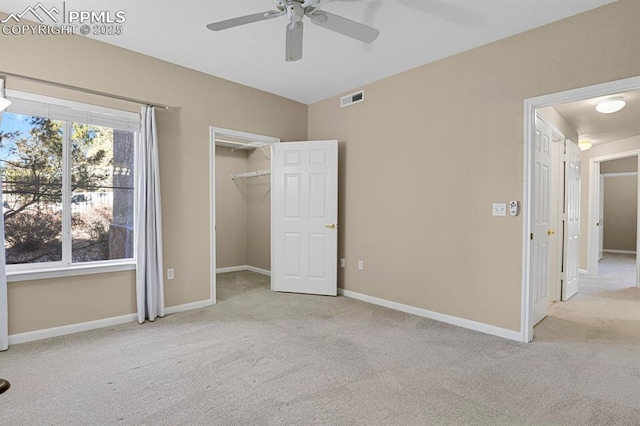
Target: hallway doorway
(608, 305)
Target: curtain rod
(81, 89)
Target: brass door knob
(550, 232)
(331, 226)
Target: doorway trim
(594, 203)
(218, 133)
(530, 106)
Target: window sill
(69, 271)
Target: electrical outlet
(170, 274)
(343, 263)
(360, 265)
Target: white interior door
(304, 210)
(571, 269)
(601, 220)
(541, 222)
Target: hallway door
(571, 268)
(541, 222)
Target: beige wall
(259, 211)
(70, 300)
(621, 165)
(620, 212)
(243, 209)
(551, 116)
(231, 208)
(596, 151)
(429, 150)
(199, 101)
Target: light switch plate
(499, 209)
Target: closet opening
(240, 180)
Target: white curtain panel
(4, 312)
(149, 277)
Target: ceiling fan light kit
(296, 10)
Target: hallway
(606, 308)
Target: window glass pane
(31, 167)
(102, 193)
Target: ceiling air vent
(351, 99)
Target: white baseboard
(93, 325)
(188, 307)
(583, 271)
(259, 270)
(460, 322)
(243, 268)
(619, 251)
(231, 269)
(70, 329)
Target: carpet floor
(263, 358)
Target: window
(68, 183)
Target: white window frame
(106, 117)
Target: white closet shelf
(240, 145)
(251, 174)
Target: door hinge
(532, 236)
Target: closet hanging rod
(82, 89)
(251, 174)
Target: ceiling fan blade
(294, 41)
(242, 20)
(344, 26)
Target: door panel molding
(304, 213)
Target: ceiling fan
(296, 10)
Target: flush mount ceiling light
(584, 145)
(611, 105)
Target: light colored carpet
(608, 304)
(262, 358)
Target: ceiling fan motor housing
(295, 11)
(307, 5)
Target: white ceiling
(412, 33)
(602, 128)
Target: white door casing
(541, 221)
(529, 207)
(304, 214)
(216, 133)
(571, 261)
